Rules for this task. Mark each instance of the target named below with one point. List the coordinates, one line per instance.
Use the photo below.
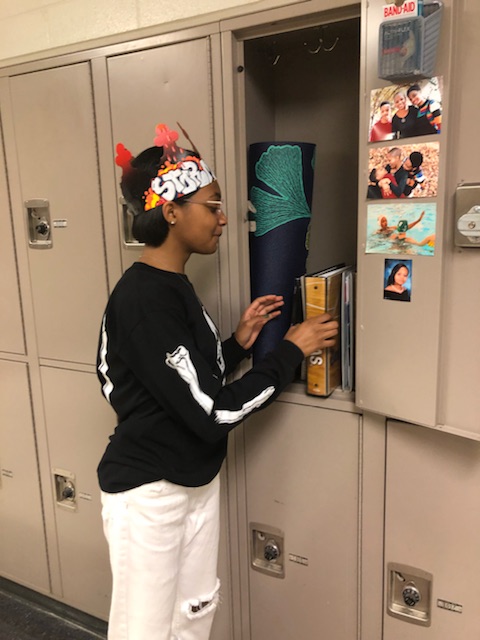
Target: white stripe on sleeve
(107, 387)
(229, 417)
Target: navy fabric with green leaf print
(280, 190)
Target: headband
(179, 174)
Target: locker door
(172, 84)
(11, 335)
(168, 84)
(432, 524)
(23, 553)
(79, 423)
(302, 479)
(54, 125)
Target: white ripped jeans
(163, 541)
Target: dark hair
(373, 175)
(150, 226)
(414, 87)
(394, 271)
(416, 158)
(385, 102)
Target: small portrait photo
(401, 228)
(397, 280)
(407, 171)
(406, 111)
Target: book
(347, 330)
(324, 292)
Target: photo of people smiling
(406, 111)
(407, 171)
(406, 228)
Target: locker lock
(65, 491)
(411, 595)
(38, 222)
(267, 549)
(68, 491)
(43, 228)
(271, 551)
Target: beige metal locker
(79, 423)
(11, 335)
(170, 84)
(400, 343)
(299, 80)
(302, 472)
(23, 551)
(167, 84)
(460, 364)
(432, 524)
(54, 151)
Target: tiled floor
(25, 618)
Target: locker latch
(409, 593)
(38, 223)
(65, 491)
(267, 549)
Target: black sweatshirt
(163, 368)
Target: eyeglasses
(217, 206)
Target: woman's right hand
(313, 334)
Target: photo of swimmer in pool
(399, 227)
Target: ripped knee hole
(201, 606)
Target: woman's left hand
(255, 317)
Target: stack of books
(329, 291)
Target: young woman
(395, 288)
(405, 117)
(163, 368)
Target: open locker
(303, 86)
(298, 80)
(296, 84)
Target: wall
(29, 26)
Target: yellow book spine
(323, 295)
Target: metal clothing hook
(328, 49)
(318, 49)
(321, 44)
(325, 48)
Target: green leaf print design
(280, 168)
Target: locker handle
(38, 223)
(129, 242)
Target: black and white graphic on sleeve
(181, 361)
(214, 330)
(225, 416)
(103, 367)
